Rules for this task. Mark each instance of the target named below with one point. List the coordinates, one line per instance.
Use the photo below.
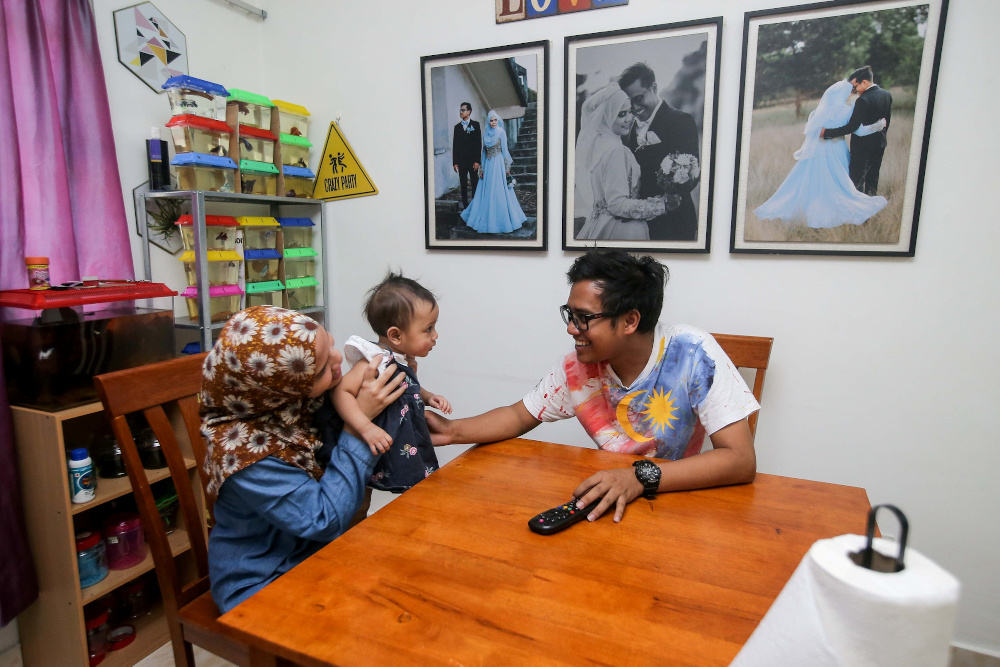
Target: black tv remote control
(556, 519)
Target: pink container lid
(121, 523)
(216, 290)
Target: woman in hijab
(607, 175)
(494, 208)
(818, 191)
(283, 480)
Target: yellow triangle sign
(341, 175)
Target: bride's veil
(832, 111)
(596, 138)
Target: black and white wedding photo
(639, 137)
(835, 116)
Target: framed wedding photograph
(835, 118)
(485, 135)
(639, 137)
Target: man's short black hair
(627, 283)
(861, 74)
(638, 72)
(391, 303)
(465, 104)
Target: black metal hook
(873, 560)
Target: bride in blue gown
(818, 190)
(494, 208)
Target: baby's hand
(377, 439)
(441, 403)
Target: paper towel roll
(833, 612)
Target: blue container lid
(267, 253)
(202, 160)
(78, 454)
(192, 83)
(296, 222)
(301, 172)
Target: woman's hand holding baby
(379, 391)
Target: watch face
(647, 472)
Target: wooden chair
(191, 613)
(748, 352)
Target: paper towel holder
(873, 560)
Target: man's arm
(853, 124)
(498, 424)
(731, 461)
(454, 147)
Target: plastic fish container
(189, 95)
(200, 171)
(268, 293)
(261, 265)
(258, 178)
(219, 230)
(223, 302)
(298, 182)
(301, 292)
(295, 151)
(259, 233)
(252, 109)
(294, 118)
(223, 267)
(256, 144)
(296, 232)
(300, 262)
(197, 134)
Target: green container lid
(293, 140)
(299, 252)
(295, 283)
(237, 95)
(261, 167)
(266, 286)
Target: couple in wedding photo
(637, 161)
(830, 185)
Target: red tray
(106, 292)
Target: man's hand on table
(439, 427)
(618, 487)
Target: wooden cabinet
(52, 630)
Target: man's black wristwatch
(648, 474)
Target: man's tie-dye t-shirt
(688, 389)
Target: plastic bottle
(38, 272)
(157, 159)
(82, 480)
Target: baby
(403, 313)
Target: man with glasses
(660, 130)
(637, 386)
(466, 151)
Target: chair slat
(748, 352)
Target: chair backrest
(748, 352)
(153, 390)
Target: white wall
(884, 371)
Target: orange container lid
(36, 260)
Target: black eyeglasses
(580, 321)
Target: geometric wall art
(149, 45)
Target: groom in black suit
(466, 150)
(872, 104)
(659, 130)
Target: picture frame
(797, 64)
(149, 45)
(620, 197)
(504, 208)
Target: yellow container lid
(256, 221)
(213, 256)
(288, 107)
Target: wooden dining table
(449, 572)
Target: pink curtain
(60, 197)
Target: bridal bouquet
(676, 170)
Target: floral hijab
(255, 394)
